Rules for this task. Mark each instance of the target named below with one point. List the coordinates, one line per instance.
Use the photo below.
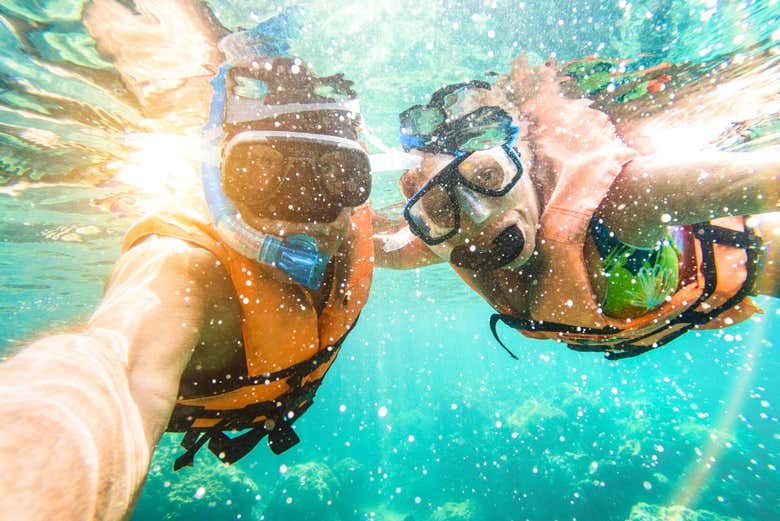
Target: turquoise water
(423, 417)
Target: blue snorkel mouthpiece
(297, 256)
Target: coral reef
(645, 512)
(208, 490)
(306, 492)
(456, 511)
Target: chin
(329, 235)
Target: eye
(483, 171)
(438, 206)
(488, 178)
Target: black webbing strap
(302, 368)
(231, 449)
(526, 324)
(708, 235)
(280, 438)
(226, 449)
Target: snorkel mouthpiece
(506, 247)
(297, 256)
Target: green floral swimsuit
(638, 279)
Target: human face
(478, 213)
(433, 212)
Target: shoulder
(168, 261)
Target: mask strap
(255, 136)
(390, 159)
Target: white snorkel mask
(298, 255)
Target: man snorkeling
(608, 239)
(218, 317)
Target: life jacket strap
(228, 449)
(282, 412)
(607, 339)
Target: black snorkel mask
(455, 123)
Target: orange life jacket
(288, 346)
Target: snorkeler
(607, 239)
(218, 317)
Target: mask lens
(297, 170)
(259, 164)
(346, 176)
(462, 101)
(435, 213)
(297, 180)
(487, 173)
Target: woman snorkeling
(613, 223)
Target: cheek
(442, 251)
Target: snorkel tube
(296, 256)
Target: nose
(472, 205)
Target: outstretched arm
(653, 192)
(396, 247)
(82, 412)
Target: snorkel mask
(456, 123)
(299, 147)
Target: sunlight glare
(160, 164)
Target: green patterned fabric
(638, 279)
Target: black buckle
(282, 438)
